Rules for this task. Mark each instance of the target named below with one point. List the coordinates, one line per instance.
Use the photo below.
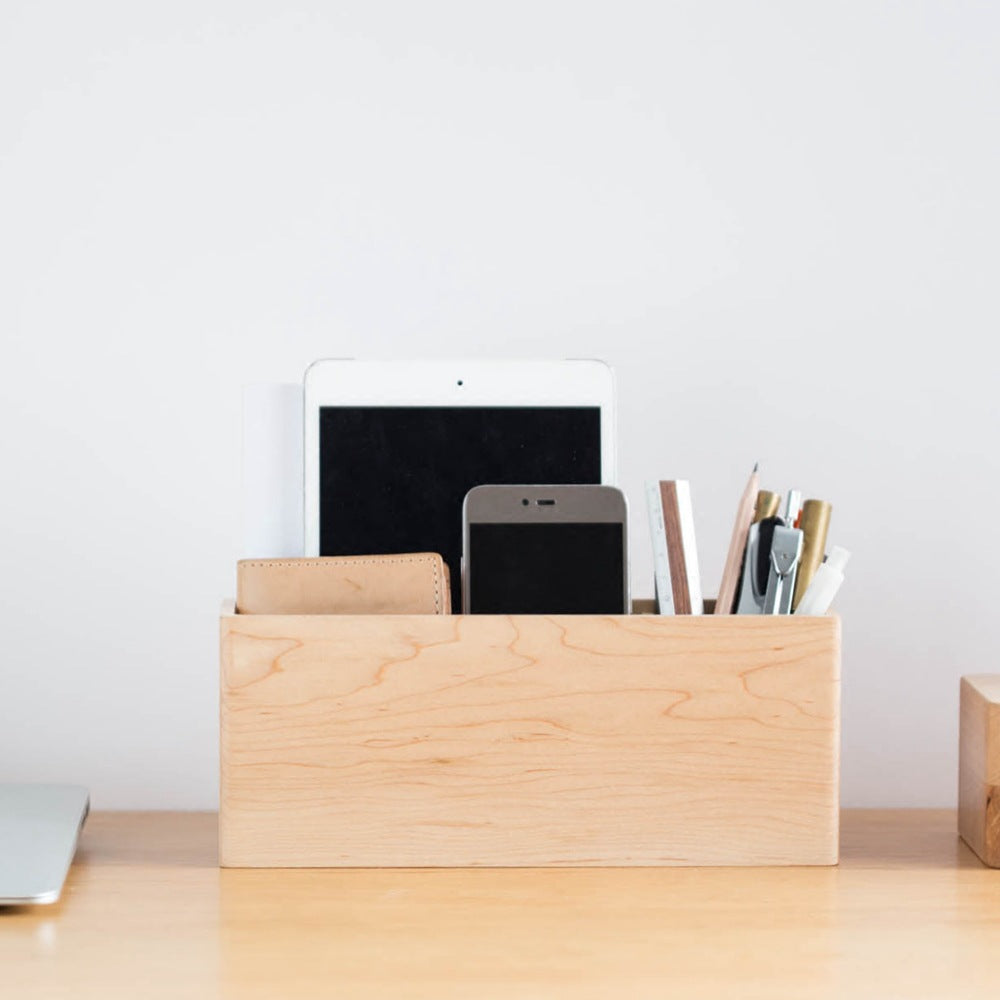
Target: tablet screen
(392, 479)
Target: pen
(767, 505)
(815, 524)
(793, 507)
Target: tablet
(392, 447)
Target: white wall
(778, 221)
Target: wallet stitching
(346, 560)
(354, 561)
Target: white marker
(825, 584)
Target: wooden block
(979, 766)
(529, 740)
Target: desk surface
(909, 913)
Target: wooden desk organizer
(528, 740)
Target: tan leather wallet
(410, 584)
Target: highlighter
(815, 524)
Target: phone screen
(540, 569)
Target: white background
(777, 221)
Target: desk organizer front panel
(529, 740)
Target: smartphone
(541, 550)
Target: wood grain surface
(909, 913)
(979, 765)
(529, 740)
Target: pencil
(737, 546)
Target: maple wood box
(439, 740)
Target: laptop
(39, 829)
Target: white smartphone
(392, 447)
(544, 550)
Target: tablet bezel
(449, 383)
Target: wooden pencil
(737, 546)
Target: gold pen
(767, 505)
(815, 524)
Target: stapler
(753, 584)
(769, 566)
(786, 550)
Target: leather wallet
(409, 584)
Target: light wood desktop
(909, 913)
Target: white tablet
(392, 447)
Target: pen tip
(756, 465)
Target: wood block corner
(979, 766)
